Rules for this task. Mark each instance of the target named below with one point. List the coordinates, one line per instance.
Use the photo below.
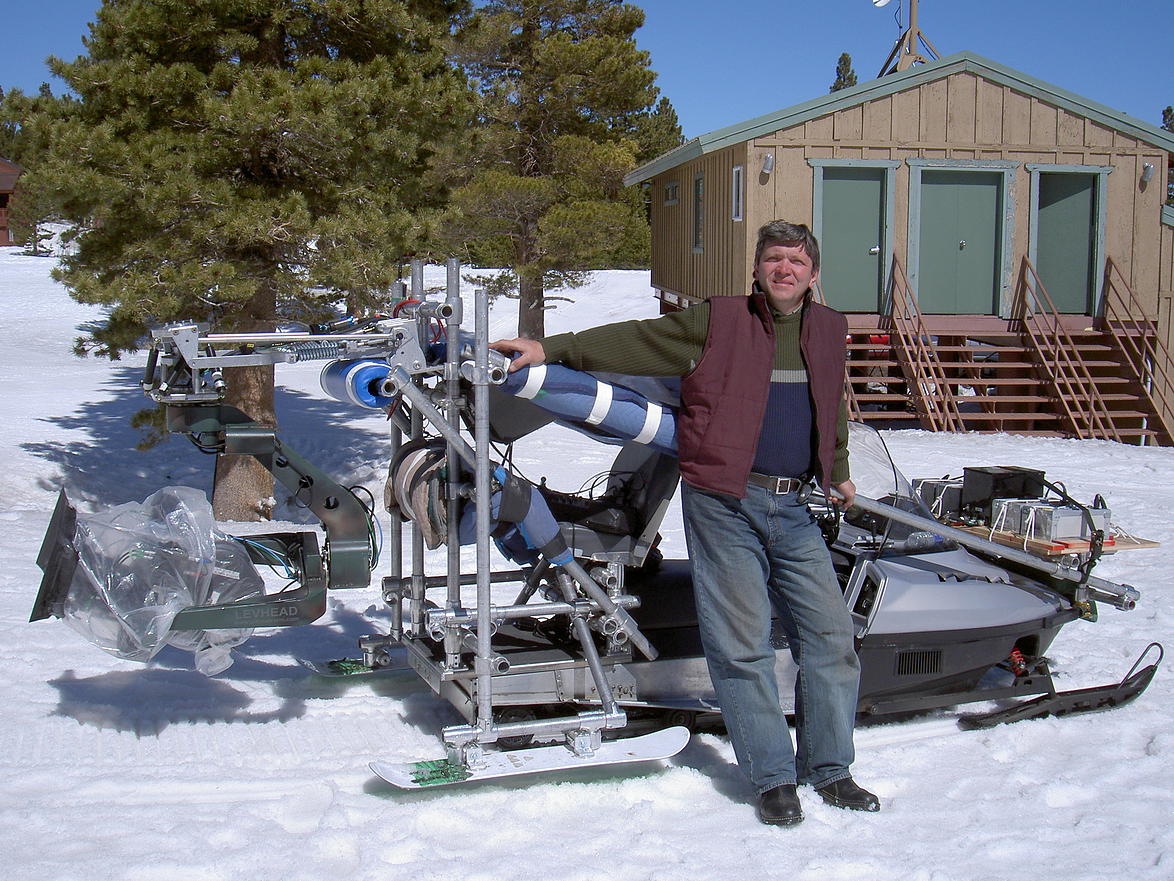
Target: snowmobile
(600, 641)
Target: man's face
(785, 273)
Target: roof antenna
(907, 51)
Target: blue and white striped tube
(599, 409)
(356, 382)
(530, 530)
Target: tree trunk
(531, 302)
(243, 488)
(531, 305)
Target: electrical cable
(374, 529)
(1096, 541)
(274, 558)
(203, 447)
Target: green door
(958, 266)
(851, 259)
(1066, 239)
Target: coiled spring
(324, 351)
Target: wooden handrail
(1075, 387)
(1123, 318)
(931, 390)
(853, 405)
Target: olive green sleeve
(840, 470)
(666, 346)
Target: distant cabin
(1001, 246)
(9, 172)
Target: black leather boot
(780, 806)
(846, 794)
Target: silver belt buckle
(782, 485)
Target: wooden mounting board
(1058, 548)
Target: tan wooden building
(9, 172)
(1001, 245)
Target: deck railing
(1136, 336)
(850, 400)
(1055, 351)
(931, 390)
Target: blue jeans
(749, 555)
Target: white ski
(441, 772)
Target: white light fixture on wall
(768, 163)
(1147, 172)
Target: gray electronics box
(1007, 514)
(1100, 518)
(1050, 522)
(942, 495)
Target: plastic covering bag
(140, 564)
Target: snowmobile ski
(443, 772)
(1069, 703)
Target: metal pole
(606, 698)
(483, 667)
(910, 54)
(417, 270)
(591, 720)
(625, 621)
(532, 581)
(399, 380)
(508, 575)
(392, 584)
(452, 639)
(440, 618)
(1122, 596)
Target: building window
(672, 192)
(736, 194)
(698, 212)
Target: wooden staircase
(1039, 373)
(1138, 347)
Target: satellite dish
(879, 3)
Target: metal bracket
(584, 743)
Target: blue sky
(724, 62)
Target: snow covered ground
(115, 770)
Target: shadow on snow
(101, 467)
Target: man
(762, 414)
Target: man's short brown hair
(783, 232)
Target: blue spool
(356, 382)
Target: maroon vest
(723, 399)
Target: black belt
(777, 485)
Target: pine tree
(656, 131)
(845, 75)
(8, 131)
(236, 160)
(26, 144)
(16, 140)
(565, 95)
(1168, 125)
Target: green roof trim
(962, 62)
(1168, 215)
